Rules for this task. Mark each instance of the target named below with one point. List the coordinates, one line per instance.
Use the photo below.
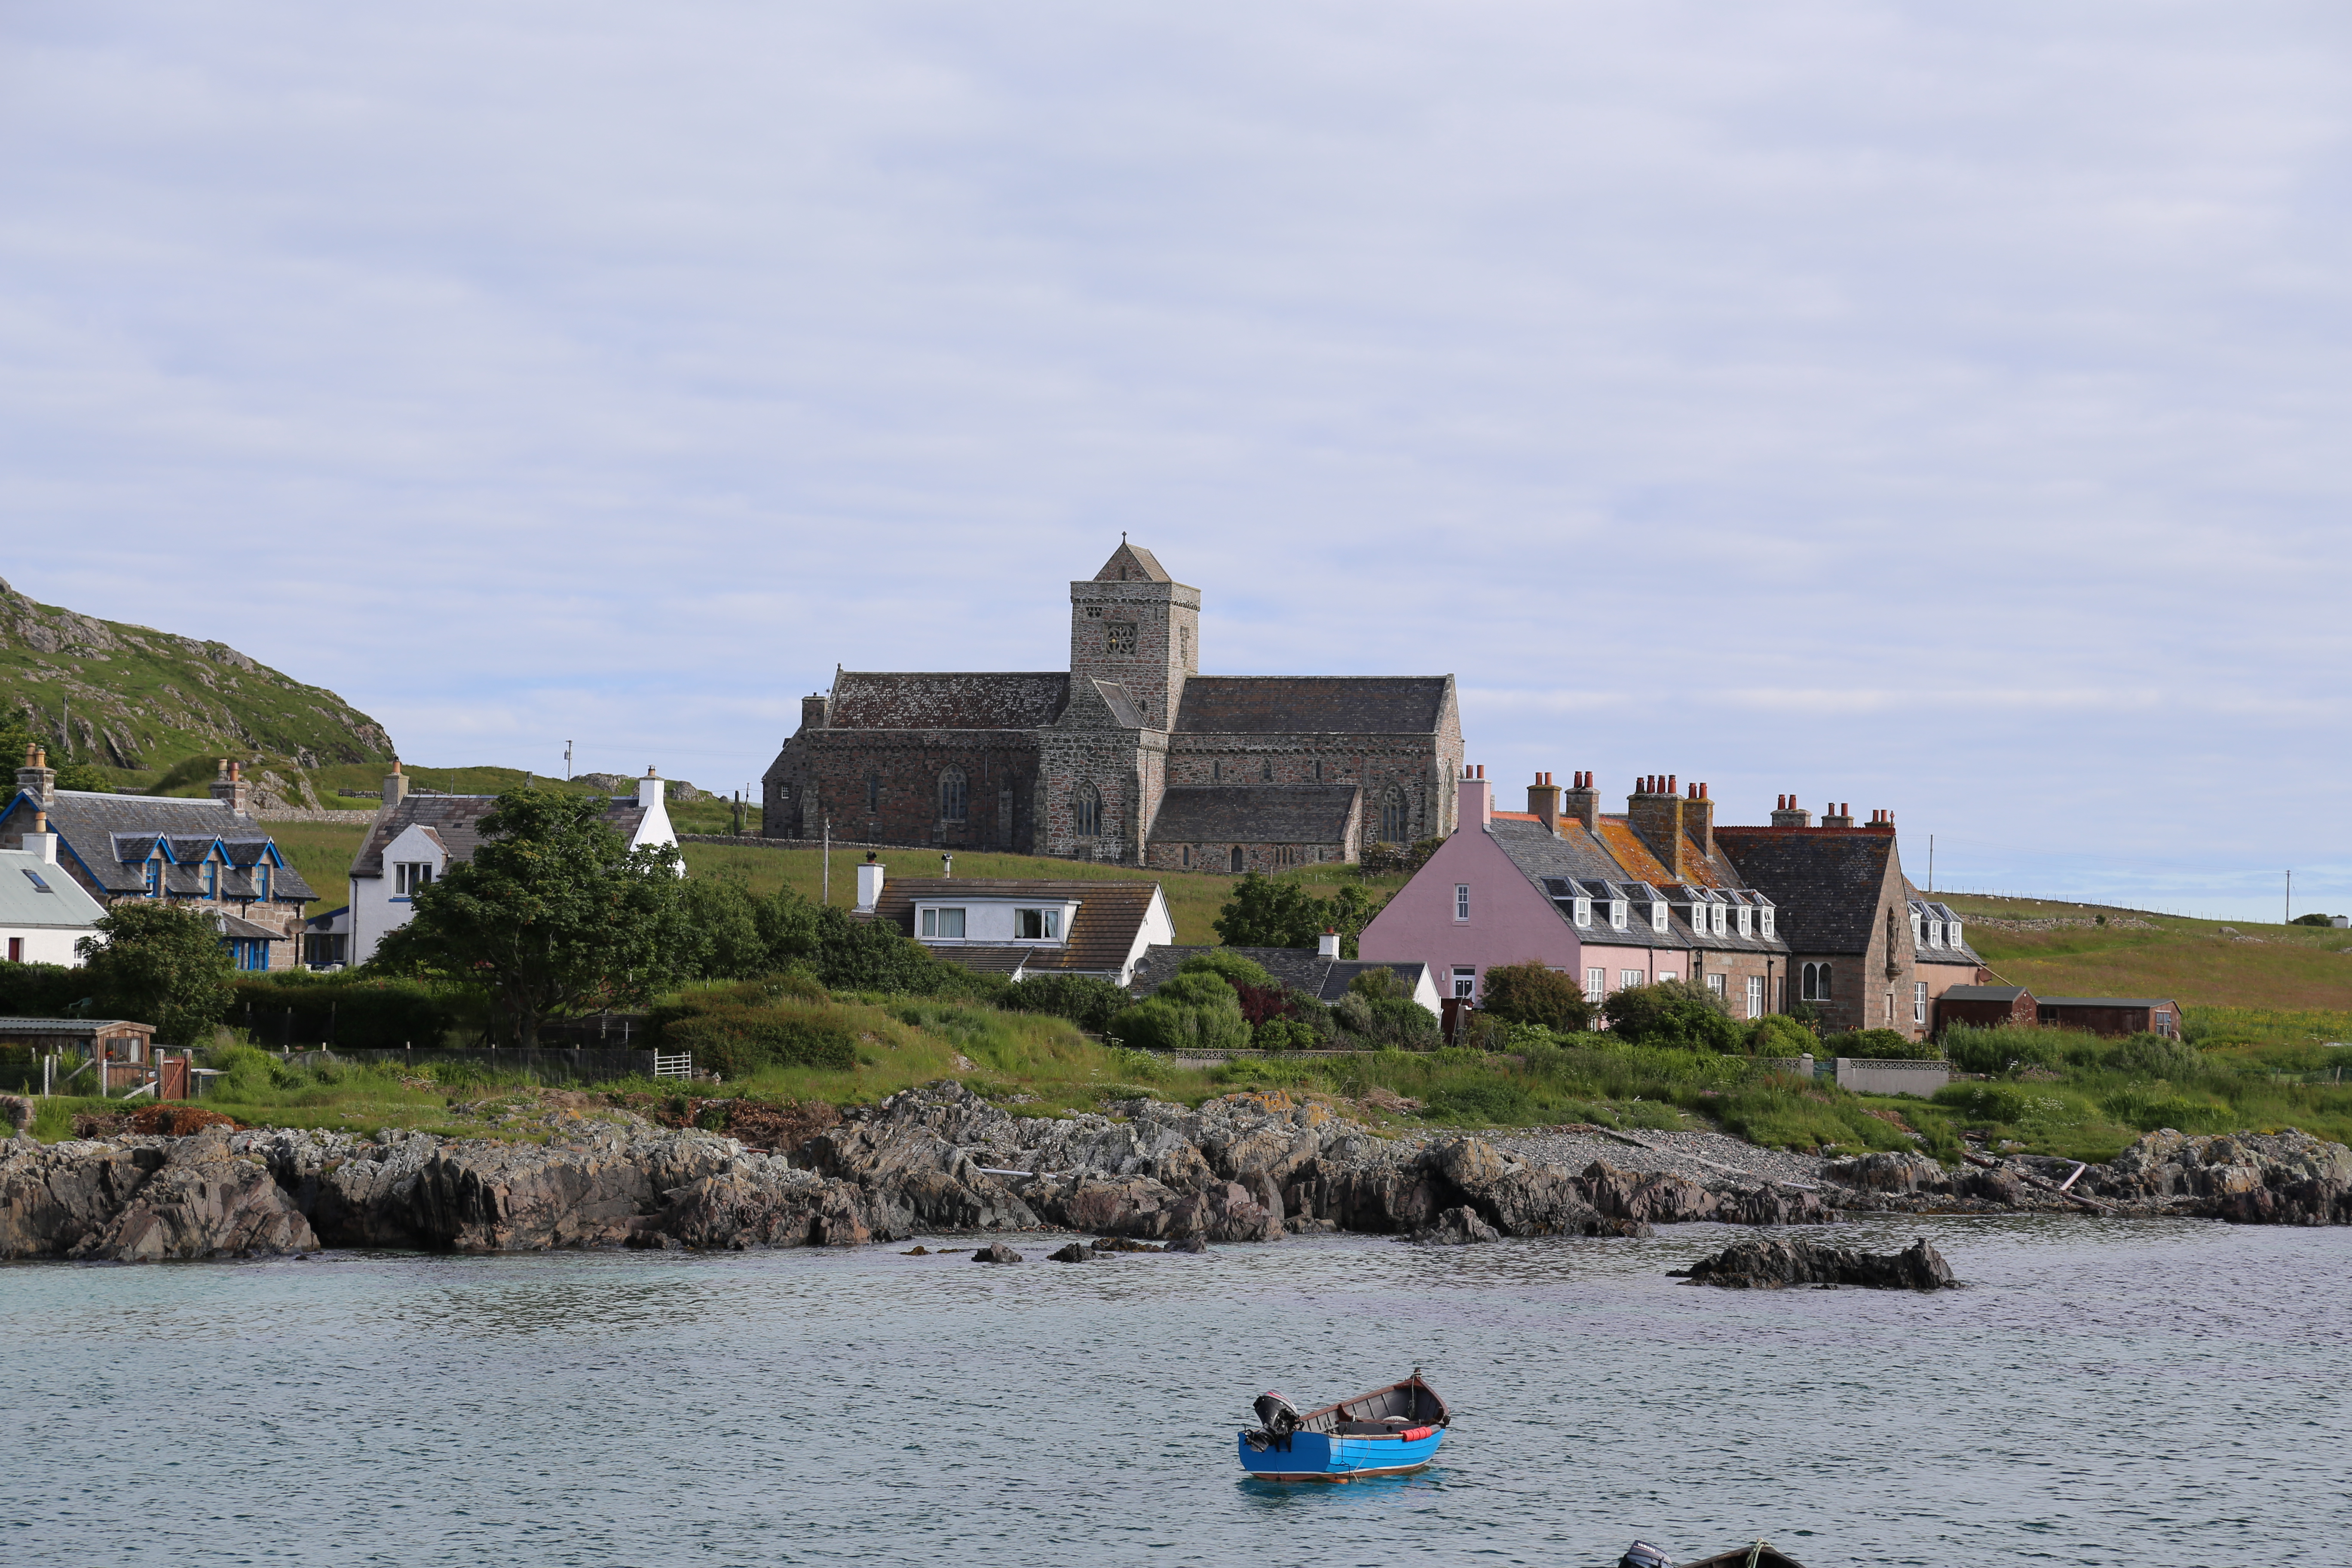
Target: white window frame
(1764, 919)
(1718, 982)
(1755, 989)
(1049, 923)
(1617, 913)
(1596, 985)
(936, 921)
(1953, 932)
(1583, 915)
(1632, 977)
(1717, 918)
(1461, 903)
(1465, 982)
(1918, 1001)
(1747, 921)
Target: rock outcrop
(1248, 1167)
(1773, 1264)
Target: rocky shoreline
(1248, 1167)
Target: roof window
(34, 878)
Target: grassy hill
(141, 700)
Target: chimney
(815, 709)
(650, 789)
(1656, 814)
(37, 778)
(231, 789)
(1582, 801)
(1883, 820)
(396, 784)
(1698, 818)
(1543, 801)
(1789, 813)
(869, 883)
(40, 842)
(1839, 815)
(947, 868)
(1327, 944)
(1477, 798)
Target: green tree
(1531, 993)
(1193, 1012)
(555, 914)
(1264, 912)
(1231, 968)
(1671, 1013)
(161, 964)
(722, 925)
(1087, 1000)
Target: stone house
(1132, 755)
(415, 838)
(209, 855)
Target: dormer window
(410, 878)
(155, 877)
(1716, 917)
(261, 879)
(1583, 913)
(1918, 930)
(1764, 919)
(1617, 907)
(212, 878)
(1659, 910)
(1953, 931)
(1747, 921)
(1037, 925)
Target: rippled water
(2107, 1392)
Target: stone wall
(1864, 1075)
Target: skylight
(34, 878)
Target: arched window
(1086, 812)
(1396, 818)
(955, 796)
(1816, 982)
(1268, 774)
(1237, 859)
(873, 792)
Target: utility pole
(825, 897)
(1931, 864)
(2288, 919)
(567, 762)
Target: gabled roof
(36, 892)
(1946, 952)
(1295, 968)
(1255, 814)
(1563, 864)
(1132, 563)
(454, 822)
(1110, 915)
(1313, 704)
(1825, 879)
(871, 701)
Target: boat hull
(1317, 1456)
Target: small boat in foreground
(1387, 1432)
(1641, 1554)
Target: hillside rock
(1889, 1172)
(161, 1198)
(1773, 1265)
(1455, 1227)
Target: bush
(1531, 993)
(1880, 1045)
(1234, 969)
(2159, 1055)
(2313, 919)
(40, 989)
(739, 1042)
(1386, 1020)
(357, 1014)
(1282, 1034)
(161, 964)
(1086, 1000)
(1672, 1015)
(1193, 1012)
(1997, 1049)
(1778, 1034)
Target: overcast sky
(1937, 408)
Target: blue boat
(1387, 1432)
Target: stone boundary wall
(302, 813)
(1868, 1075)
(585, 1066)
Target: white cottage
(43, 911)
(418, 838)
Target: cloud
(1946, 400)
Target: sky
(1940, 409)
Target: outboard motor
(1277, 1419)
(1641, 1554)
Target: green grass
(2287, 968)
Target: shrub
(1778, 1034)
(736, 1043)
(1234, 969)
(1997, 1049)
(1379, 985)
(359, 1014)
(2158, 1056)
(1671, 1013)
(2313, 919)
(1282, 1034)
(1881, 1045)
(1193, 1012)
(1387, 1021)
(40, 989)
(1086, 1000)
(1531, 993)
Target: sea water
(2142, 1393)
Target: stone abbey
(1131, 755)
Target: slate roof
(230, 925)
(454, 821)
(2103, 1001)
(1132, 562)
(1255, 814)
(1947, 951)
(55, 900)
(1296, 968)
(1560, 865)
(1123, 710)
(1313, 704)
(869, 700)
(1984, 994)
(1110, 915)
(1826, 880)
(97, 829)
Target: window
(1697, 917)
(1890, 1009)
(212, 878)
(261, 879)
(1188, 856)
(1765, 918)
(1118, 636)
(947, 923)
(1630, 977)
(1461, 901)
(1747, 921)
(1815, 982)
(955, 802)
(1217, 773)
(1237, 860)
(1665, 975)
(873, 793)
(1584, 915)
(1918, 1001)
(1037, 925)
(16, 949)
(35, 878)
(1396, 821)
(1086, 811)
(1596, 985)
(1465, 982)
(1658, 914)
(1952, 931)
(1617, 913)
(155, 877)
(1716, 916)
(1319, 770)
(410, 877)
(1755, 996)
(1267, 774)
(1918, 929)
(1715, 982)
